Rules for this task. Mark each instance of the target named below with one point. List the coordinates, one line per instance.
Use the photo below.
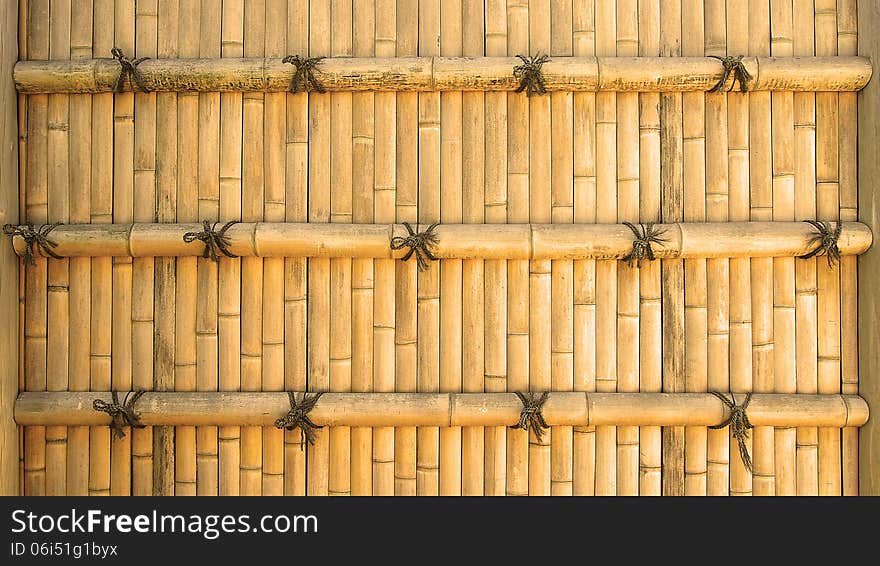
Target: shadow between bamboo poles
(463, 241)
(443, 409)
(429, 74)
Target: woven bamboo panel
(473, 325)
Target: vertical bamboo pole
(561, 272)
(362, 270)
(628, 290)
(428, 445)
(123, 211)
(36, 211)
(9, 263)
(495, 271)
(606, 270)
(296, 210)
(168, 473)
(783, 187)
(101, 209)
(143, 286)
(717, 269)
(847, 44)
(517, 271)
(672, 271)
(451, 291)
(184, 107)
(385, 186)
(340, 268)
(805, 270)
(740, 268)
(206, 121)
(58, 276)
(761, 208)
(318, 342)
(584, 271)
(229, 293)
(695, 314)
(828, 278)
(274, 210)
(407, 165)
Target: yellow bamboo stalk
(806, 320)
(436, 74)
(717, 270)
(650, 321)
(407, 199)
(446, 409)
(101, 208)
(201, 113)
(847, 42)
(229, 307)
(473, 270)
(452, 333)
(428, 347)
(58, 276)
(318, 340)
(740, 280)
(177, 116)
(495, 271)
(274, 209)
(606, 271)
(295, 277)
(362, 270)
(828, 278)
(584, 271)
(384, 197)
(517, 271)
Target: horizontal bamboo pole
(444, 409)
(463, 241)
(427, 74)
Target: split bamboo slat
(428, 73)
(443, 409)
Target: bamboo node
(529, 73)
(304, 79)
(33, 238)
(214, 240)
(122, 413)
(826, 238)
(128, 69)
(297, 417)
(641, 248)
(739, 424)
(421, 243)
(531, 416)
(740, 73)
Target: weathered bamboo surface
(463, 241)
(443, 409)
(426, 74)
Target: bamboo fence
(424, 122)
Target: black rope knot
(122, 413)
(304, 79)
(529, 73)
(641, 247)
(421, 243)
(739, 424)
(297, 417)
(826, 238)
(740, 73)
(214, 240)
(33, 238)
(531, 416)
(129, 69)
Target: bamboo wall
(768, 325)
